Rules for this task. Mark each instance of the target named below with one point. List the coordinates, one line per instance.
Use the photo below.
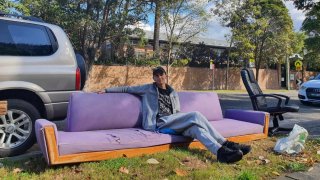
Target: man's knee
(198, 115)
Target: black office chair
(271, 103)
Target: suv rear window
(23, 39)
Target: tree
(90, 23)
(6, 6)
(258, 27)
(305, 4)
(311, 26)
(157, 18)
(182, 20)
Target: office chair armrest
(268, 95)
(284, 96)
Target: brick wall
(183, 78)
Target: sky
(216, 31)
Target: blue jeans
(194, 125)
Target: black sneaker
(226, 155)
(236, 146)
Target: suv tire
(17, 132)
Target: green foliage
(305, 4)
(311, 26)
(7, 6)
(261, 29)
(183, 19)
(180, 62)
(147, 62)
(296, 167)
(130, 55)
(90, 23)
(247, 175)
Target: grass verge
(261, 163)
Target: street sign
(298, 68)
(211, 64)
(298, 63)
(251, 63)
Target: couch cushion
(92, 111)
(231, 127)
(205, 102)
(103, 140)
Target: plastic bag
(294, 143)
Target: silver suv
(38, 71)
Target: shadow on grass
(35, 165)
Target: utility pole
(288, 71)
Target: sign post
(212, 67)
(298, 65)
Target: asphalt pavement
(308, 116)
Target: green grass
(247, 175)
(296, 167)
(178, 163)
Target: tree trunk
(279, 73)
(228, 60)
(169, 60)
(157, 16)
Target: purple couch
(103, 126)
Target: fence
(181, 78)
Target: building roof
(194, 40)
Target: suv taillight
(78, 79)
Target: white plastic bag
(294, 143)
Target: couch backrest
(91, 111)
(206, 103)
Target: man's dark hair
(158, 70)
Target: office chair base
(278, 130)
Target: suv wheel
(17, 127)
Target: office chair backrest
(253, 88)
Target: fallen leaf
(77, 170)
(304, 159)
(258, 162)
(310, 162)
(124, 170)
(152, 161)
(17, 170)
(250, 162)
(261, 157)
(275, 173)
(193, 163)
(318, 152)
(310, 169)
(181, 172)
(265, 161)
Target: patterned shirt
(165, 105)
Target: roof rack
(30, 18)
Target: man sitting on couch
(160, 112)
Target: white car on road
(309, 91)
